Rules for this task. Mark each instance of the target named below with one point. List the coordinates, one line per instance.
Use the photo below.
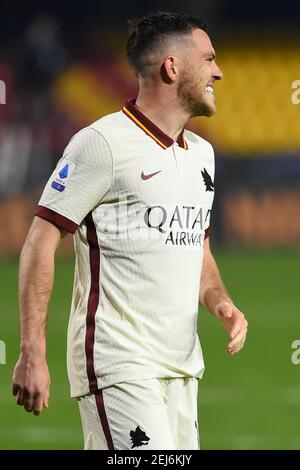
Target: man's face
(198, 75)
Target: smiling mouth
(209, 89)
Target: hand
(31, 383)
(234, 323)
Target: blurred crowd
(59, 79)
(32, 125)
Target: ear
(169, 69)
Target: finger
(226, 310)
(241, 324)
(37, 405)
(237, 340)
(236, 329)
(15, 389)
(46, 399)
(241, 336)
(28, 404)
(20, 398)
(237, 348)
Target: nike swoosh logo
(146, 177)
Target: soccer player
(136, 190)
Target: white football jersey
(139, 206)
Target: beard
(191, 98)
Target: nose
(217, 72)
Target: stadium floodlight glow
(2, 92)
(2, 352)
(295, 98)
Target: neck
(163, 110)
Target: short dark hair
(147, 32)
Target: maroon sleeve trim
(56, 219)
(207, 233)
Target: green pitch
(250, 401)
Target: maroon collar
(150, 128)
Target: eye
(211, 58)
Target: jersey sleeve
(79, 182)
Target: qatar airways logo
(129, 219)
(178, 225)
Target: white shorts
(149, 414)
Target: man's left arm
(214, 297)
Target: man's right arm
(88, 174)
(31, 379)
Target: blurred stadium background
(64, 66)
